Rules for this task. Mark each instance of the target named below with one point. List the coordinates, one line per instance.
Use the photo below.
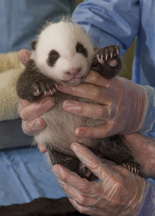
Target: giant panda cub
(63, 53)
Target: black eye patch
(33, 45)
(52, 58)
(81, 49)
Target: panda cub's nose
(73, 72)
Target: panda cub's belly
(61, 125)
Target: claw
(132, 168)
(129, 167)
(37, 93)
(111, 55)
(124, 165)
(106, 57)
(117, 52)
(45, 93)
(52, 91)
(100, 59)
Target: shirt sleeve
(148, 205)
(109, 22)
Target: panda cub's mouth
(73, 81)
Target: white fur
(63, 37)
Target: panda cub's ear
(33, 45)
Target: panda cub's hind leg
(70, 162)
(107, 61)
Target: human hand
(24, 56)
(121, 105)
(143, 149)
(30, 113)
(118, 191)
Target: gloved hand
(118, 191)
(122, 105)
(30, 113)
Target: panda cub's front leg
(107, 61)
(32, 84)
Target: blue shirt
(21, 20)
(147, 207)
(119, 22)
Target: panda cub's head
(63, 51)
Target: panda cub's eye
(54, 54)
(81, 49)
(52, 57)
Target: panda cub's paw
(132, 166)
(43, 86)
(108, 55)
(109, 62)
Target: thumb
(24, 56)
(92, 162)
(137, 141)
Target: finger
(89, 110)
(89, 200)
(101, 170)
(139, 139)
(121, 172)
(42, 148)
(89, 211)
(76, 195)
(92, 162)
(22, 103)
(88, 91)
(96, 79)
(141, 146)
(117, 168)
(35, 110)
(80, 208)
(84, 192)
(24, 56)
(72, 179)
(33, 127)
(95, 132)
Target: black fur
(104, 69)
(41, 207)
(33, 45)
(81, 49)
(52, 58)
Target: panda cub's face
(64, 53)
